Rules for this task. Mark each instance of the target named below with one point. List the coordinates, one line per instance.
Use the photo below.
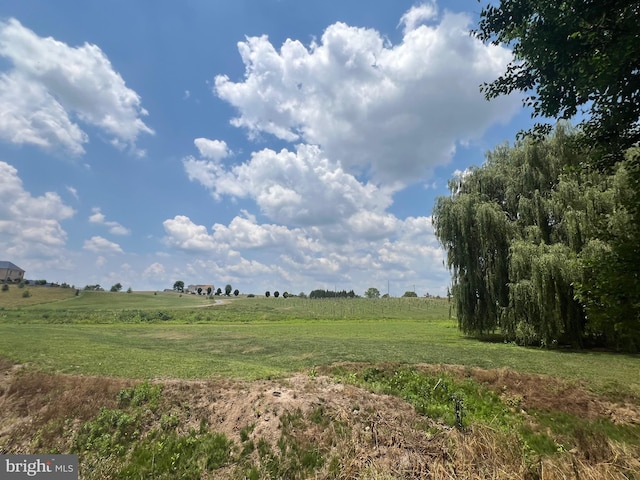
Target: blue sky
(269, 144)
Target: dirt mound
(362, 434)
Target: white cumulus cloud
(50, 85)
(97, 244)
(115, 228)
(396, 110)
(417, 15)
(302, 187)
(154, 270)
(183, 234)
(214, 150)
(30, 225)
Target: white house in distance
(204, 289)
(10, 272)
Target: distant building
(200, 289)
(10, 272)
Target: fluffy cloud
(398, 110)
(154, 270)
(30, 225)
(417, 15)
(214, 150)
(98, 244)
(50, 84)
(183, 234)
(295, 188)
(114, 227)
(313, 257)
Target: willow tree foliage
(535, 239)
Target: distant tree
(276, 294)
(372, 292)
(236, 292)
(219, 291)
(95, 288)
(285, 294)
(129, 290)
(209, 289)
(320, 293)
(409, 293)
(178, 286)
(117, 287)
(40, 282)
(302, 295)
(386, 295)
(267, 294)
(227, 289)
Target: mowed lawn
(103, 334)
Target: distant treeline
(332, 294)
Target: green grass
(146, 335)
(267, 349)
(142, 335)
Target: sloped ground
(311, 426)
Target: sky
(267, 144)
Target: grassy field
(295, 388)
(163, 335)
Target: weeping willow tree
(534, 238)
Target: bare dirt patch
(367, 435)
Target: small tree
(267, 294)
(409, 293)
(285, 294)
(5, 287)
(209, 289)
(117, 287)
(302, 295)
(276, 294)
(129, 290)
(227, 289)
(178, 286)
(236, 292)
(219, 291)
(372, 292)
